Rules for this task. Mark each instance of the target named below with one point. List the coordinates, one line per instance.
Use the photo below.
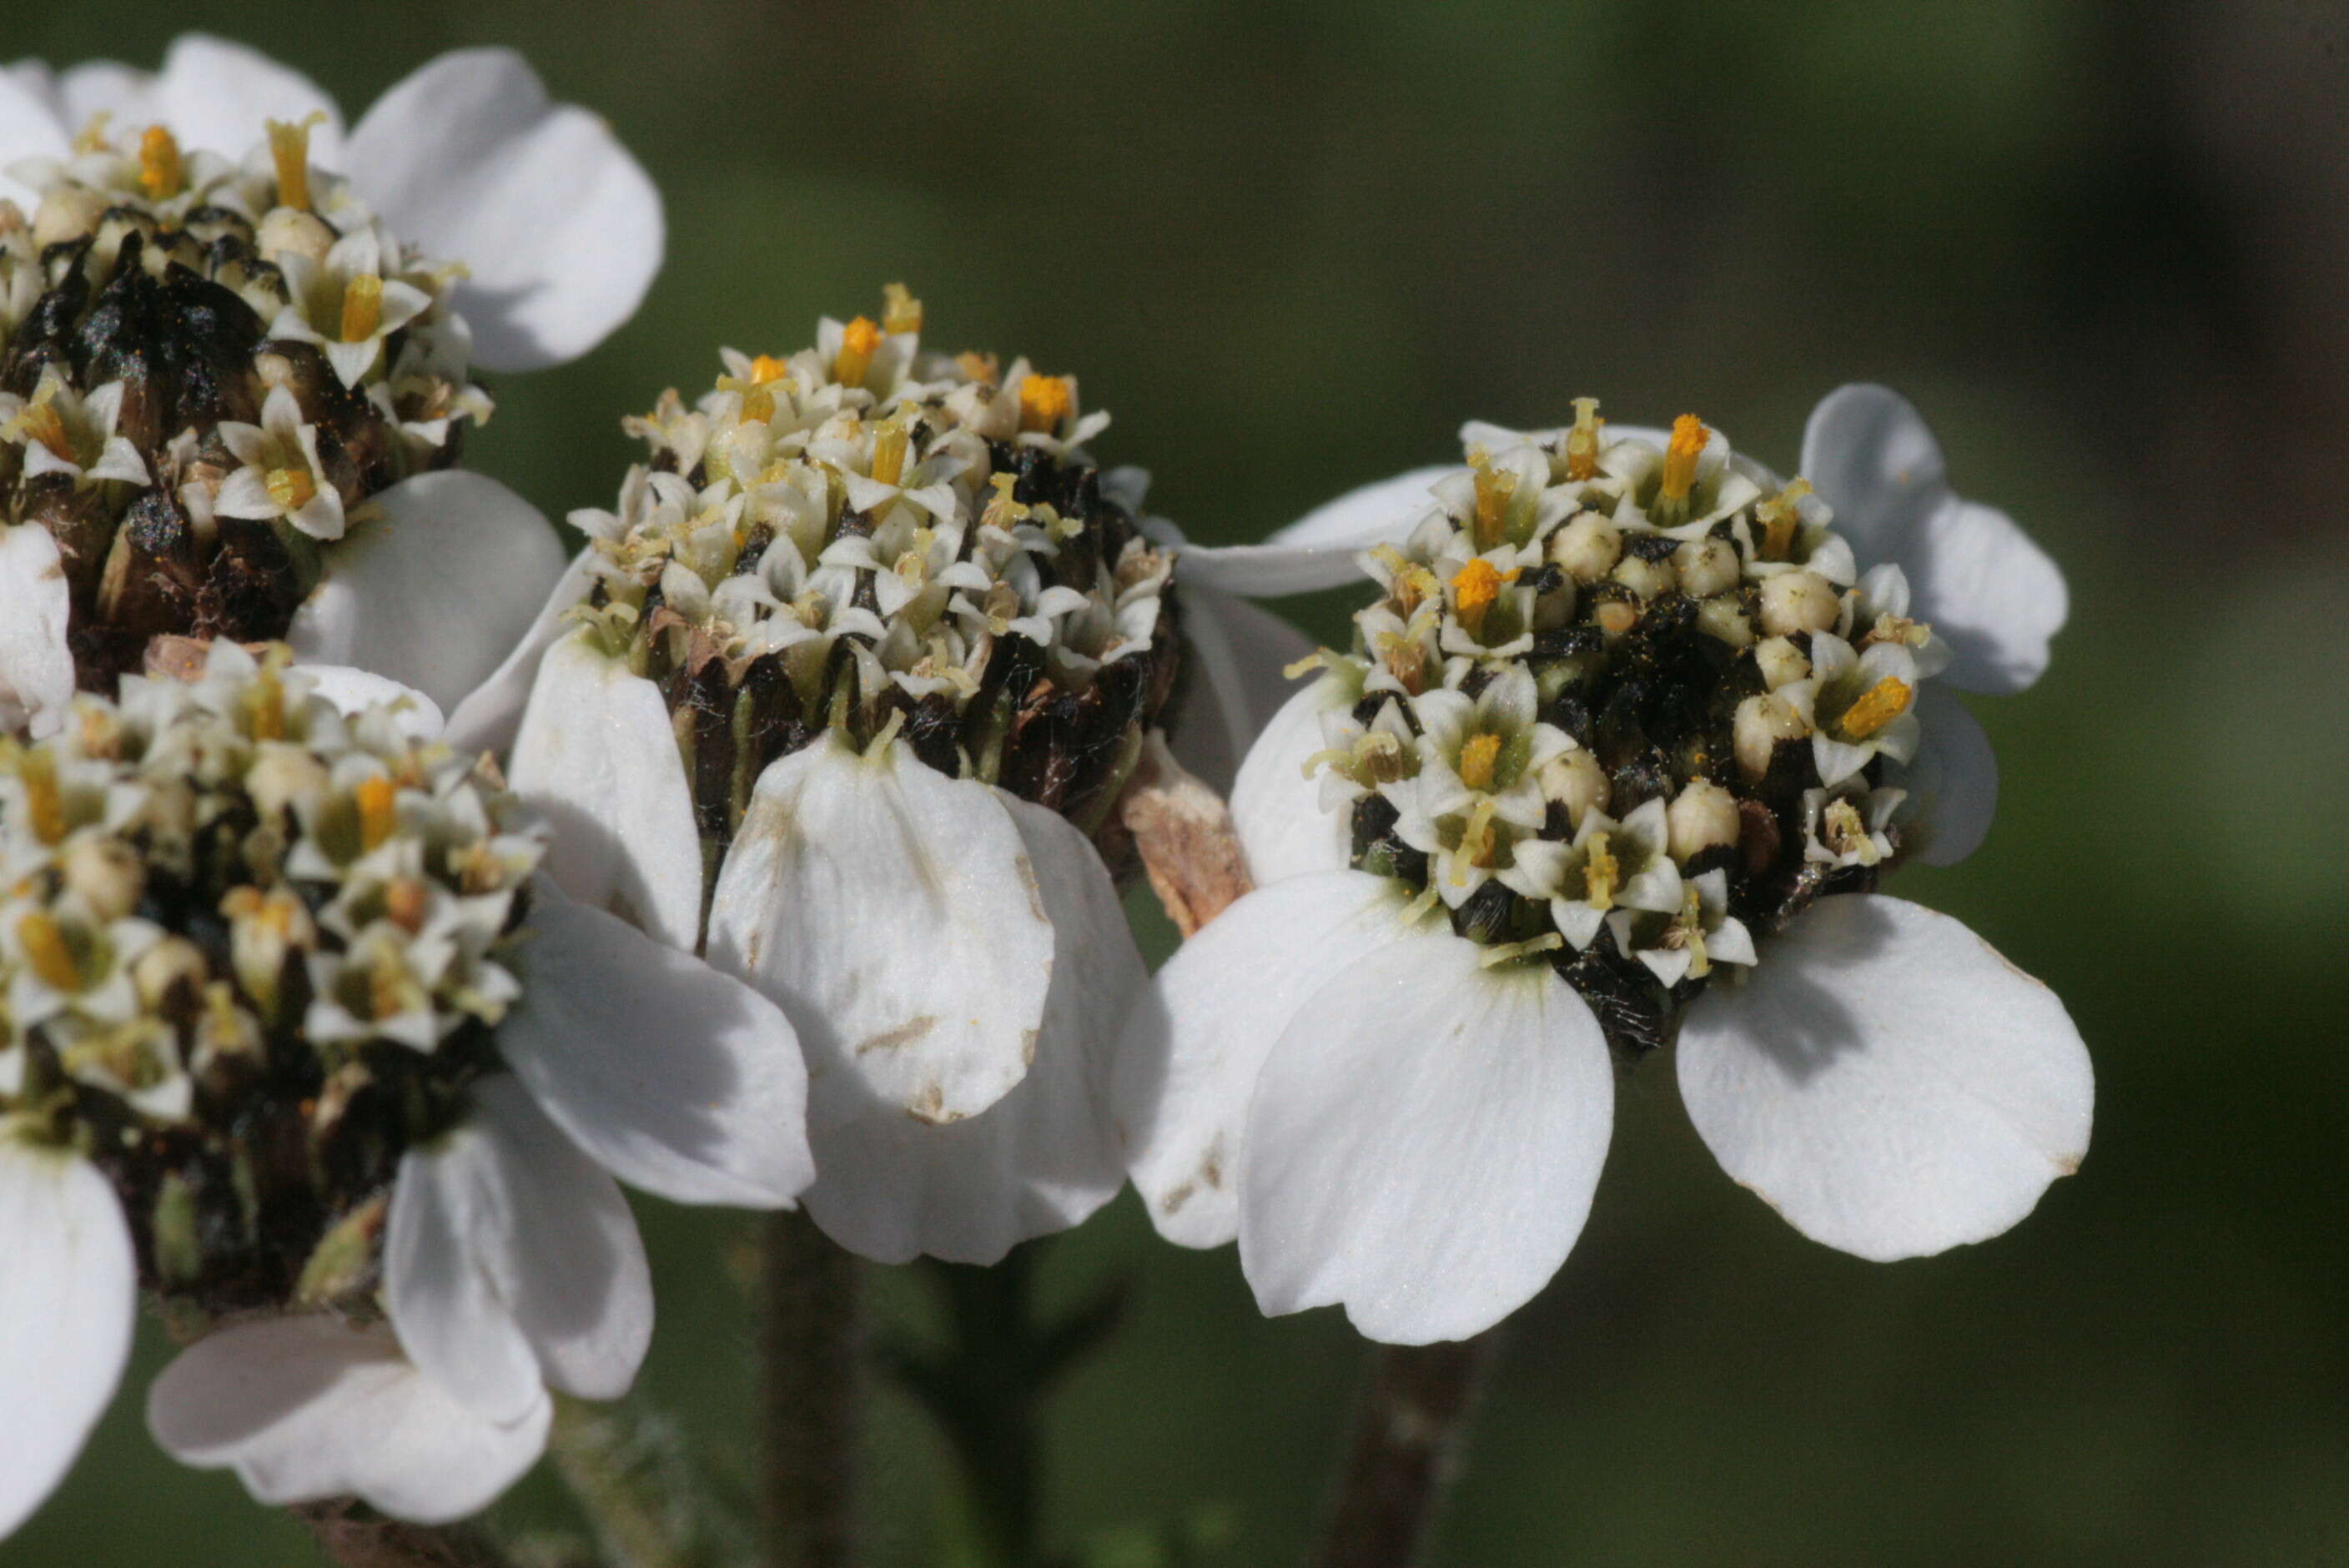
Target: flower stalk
(809, 1342)
(1407, 1449)
(352, 1535)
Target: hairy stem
(1406, 1452)
(354, 1536)
(808, 1348)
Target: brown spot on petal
(905, 1033)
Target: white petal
(487, 718)
(1195, 1041)
(1232, 682)
(560, 227)
(597, 753)
(307, 1408)
(29, 128)
(511, 1260)
(1992, 593)
(1952, 780)
(1318, 549)
(69, 1293)
(676, 1078)
(1276, 808)
(895, 914)
(218, 95)
(1424, 1143)
(1887, 1081)
(37, 674)
(353, 692)
(1042, 1158)
(436, 590)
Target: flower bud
(1576, 781)
(1762, 723)
(1701, 817)
(1588, 547)
(1780, 661)
(1799, 601)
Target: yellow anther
(1878, 705)
(1002, 512)
(981, 367)
(1689, 933)
(1477, 843)
(1317, 660)
(889, 451)
(44, 942)
(39, 421)
(159, 163)
(1475, 587)
(1689, 437)
(379, 810)
(1511, 952)
(289, 149)
(1600, 873)
(1781, 516)
(265, 704)
(858, 339)
(900, 311)
(44, 801)
(1842, 830)
(362, 308)
(1409, 585)
(1477, 759)
(1582, 441)
(1892, 628)
(766, 368)
(1045, 401)
(1494, 487)
(292, 489)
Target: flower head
(289, 1029)
(1663, 736)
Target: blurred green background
(2104, 245)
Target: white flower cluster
(237, 920)
(1625, 697)
(206, 367)
(867, 535)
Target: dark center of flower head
(251, 953)
(206, 368)
(1623, 705)
(906, 546)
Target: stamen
(1319, 659)
(912, 568)
(1493, 489)
(1878, 705)
(1411, 586)
(1689, 437)
(39, 421)
(1405, 658)
(889, 451)
(1002, 512)
(1600, 874)
(289, 149)
(1475, 587)
(1509, 952)
(1582, 441)
(980, 368)
(1690, 929)
(766, 368)
(362, 307)
(1476, 761)
(378, 800)
(1476, 842)
(887, 733)
(43, 799)
(264, 704)
(292, 489)
(858, 340)
(1780, 517)
(44, 942)
(1045, 401)
(900, 311)
(159, 163)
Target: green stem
(808, 1347)
(354, 1536)
(993, 1416)
(1406, 1453)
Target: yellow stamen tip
(981, 367)
(1600, 871)
(889, 452)
(1045, 401)
(362, 307)
(1477, 759)
(1494, 488)
(1582, 441)
(292, 489)
(44, 942)
(289, 150)
(1689, 437)
(159, 163)
(1878, 705)
(379, 810)
(43, 800)
(858, 340)
(900, 311)
(766, 368)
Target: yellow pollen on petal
(900, 311)
(362, 308)
(1045, 401)
(1689, 437)
(159, 163)
(292, 489)
(1477, 759)
(858, 340)
(1582, 441)
(1781, 516)
(1494, 487)
(44, 802)
(289, 149)
(378, 814)
(1600, 873)
(44, 942)
(1878, 705)
(1475, 587)
(889, 452)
